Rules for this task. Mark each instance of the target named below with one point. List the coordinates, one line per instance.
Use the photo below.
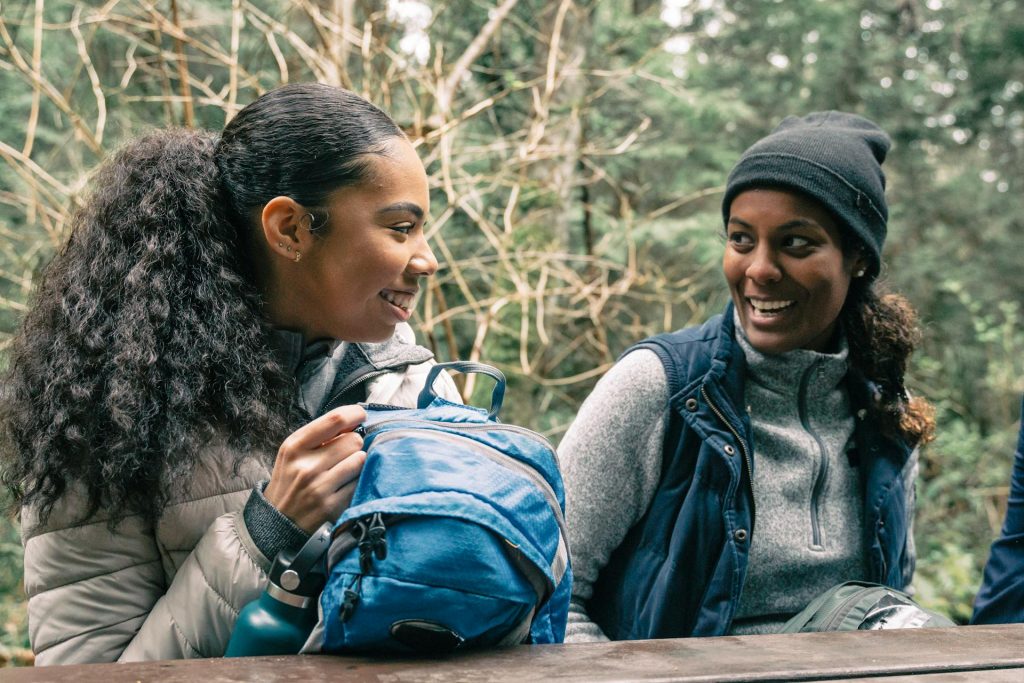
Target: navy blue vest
(679, 571)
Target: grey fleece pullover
(807, 493)
(799, 431)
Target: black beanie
(833, 157)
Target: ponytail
(145, 336)
(882, 333)
(144, 339)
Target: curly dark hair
(882, 331)
(145, 336)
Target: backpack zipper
(369, 533)
(496, 456)
(472, 426)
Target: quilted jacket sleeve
(101, 595)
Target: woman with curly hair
(178, 406)
(792, 404)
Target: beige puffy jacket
(170, 590)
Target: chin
(771, 346)
(369, 336)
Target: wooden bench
(968, 653)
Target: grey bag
(863, 606)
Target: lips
(398, 298)
(770, 307)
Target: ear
(285, 227)
(860, 264)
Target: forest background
(577, 151)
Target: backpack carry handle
(466, 366)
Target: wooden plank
(988, 676)
(803, 657)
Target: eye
(403, 228)
(740, 240)
(797, 242)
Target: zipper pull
(372, 542)
(361, 533)
(358, 530)
(348, 605)
(375, 536)
(365, 557)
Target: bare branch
(52, 93)
(446, 89)
(179, 47)
(94, 78)
(37, 66)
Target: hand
(317, 468)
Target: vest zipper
(883, 577)
(819, 481)
(743, 449)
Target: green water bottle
(281, 619)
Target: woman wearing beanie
(720, 477)
(215, 293)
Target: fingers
(347, 470)
(340, 500)
(325, 428)
(309, 501)
(317, 468)
(341, 447)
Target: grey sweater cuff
(270, 530)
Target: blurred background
(577, 151)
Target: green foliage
(576, 193)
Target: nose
(763, 266)
(423, 262)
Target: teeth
(770, 306)
(396, 299)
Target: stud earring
(280, 245)
(298, 255)
(289, 248)
(859, 273)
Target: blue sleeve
(1001, 597)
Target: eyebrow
(788, 225)
(409, 207)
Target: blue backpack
(455, 536)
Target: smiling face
(359, 279)
(786, 270)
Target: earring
(280, 245)
(298, 255)
(289, 248)
(859, 273)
